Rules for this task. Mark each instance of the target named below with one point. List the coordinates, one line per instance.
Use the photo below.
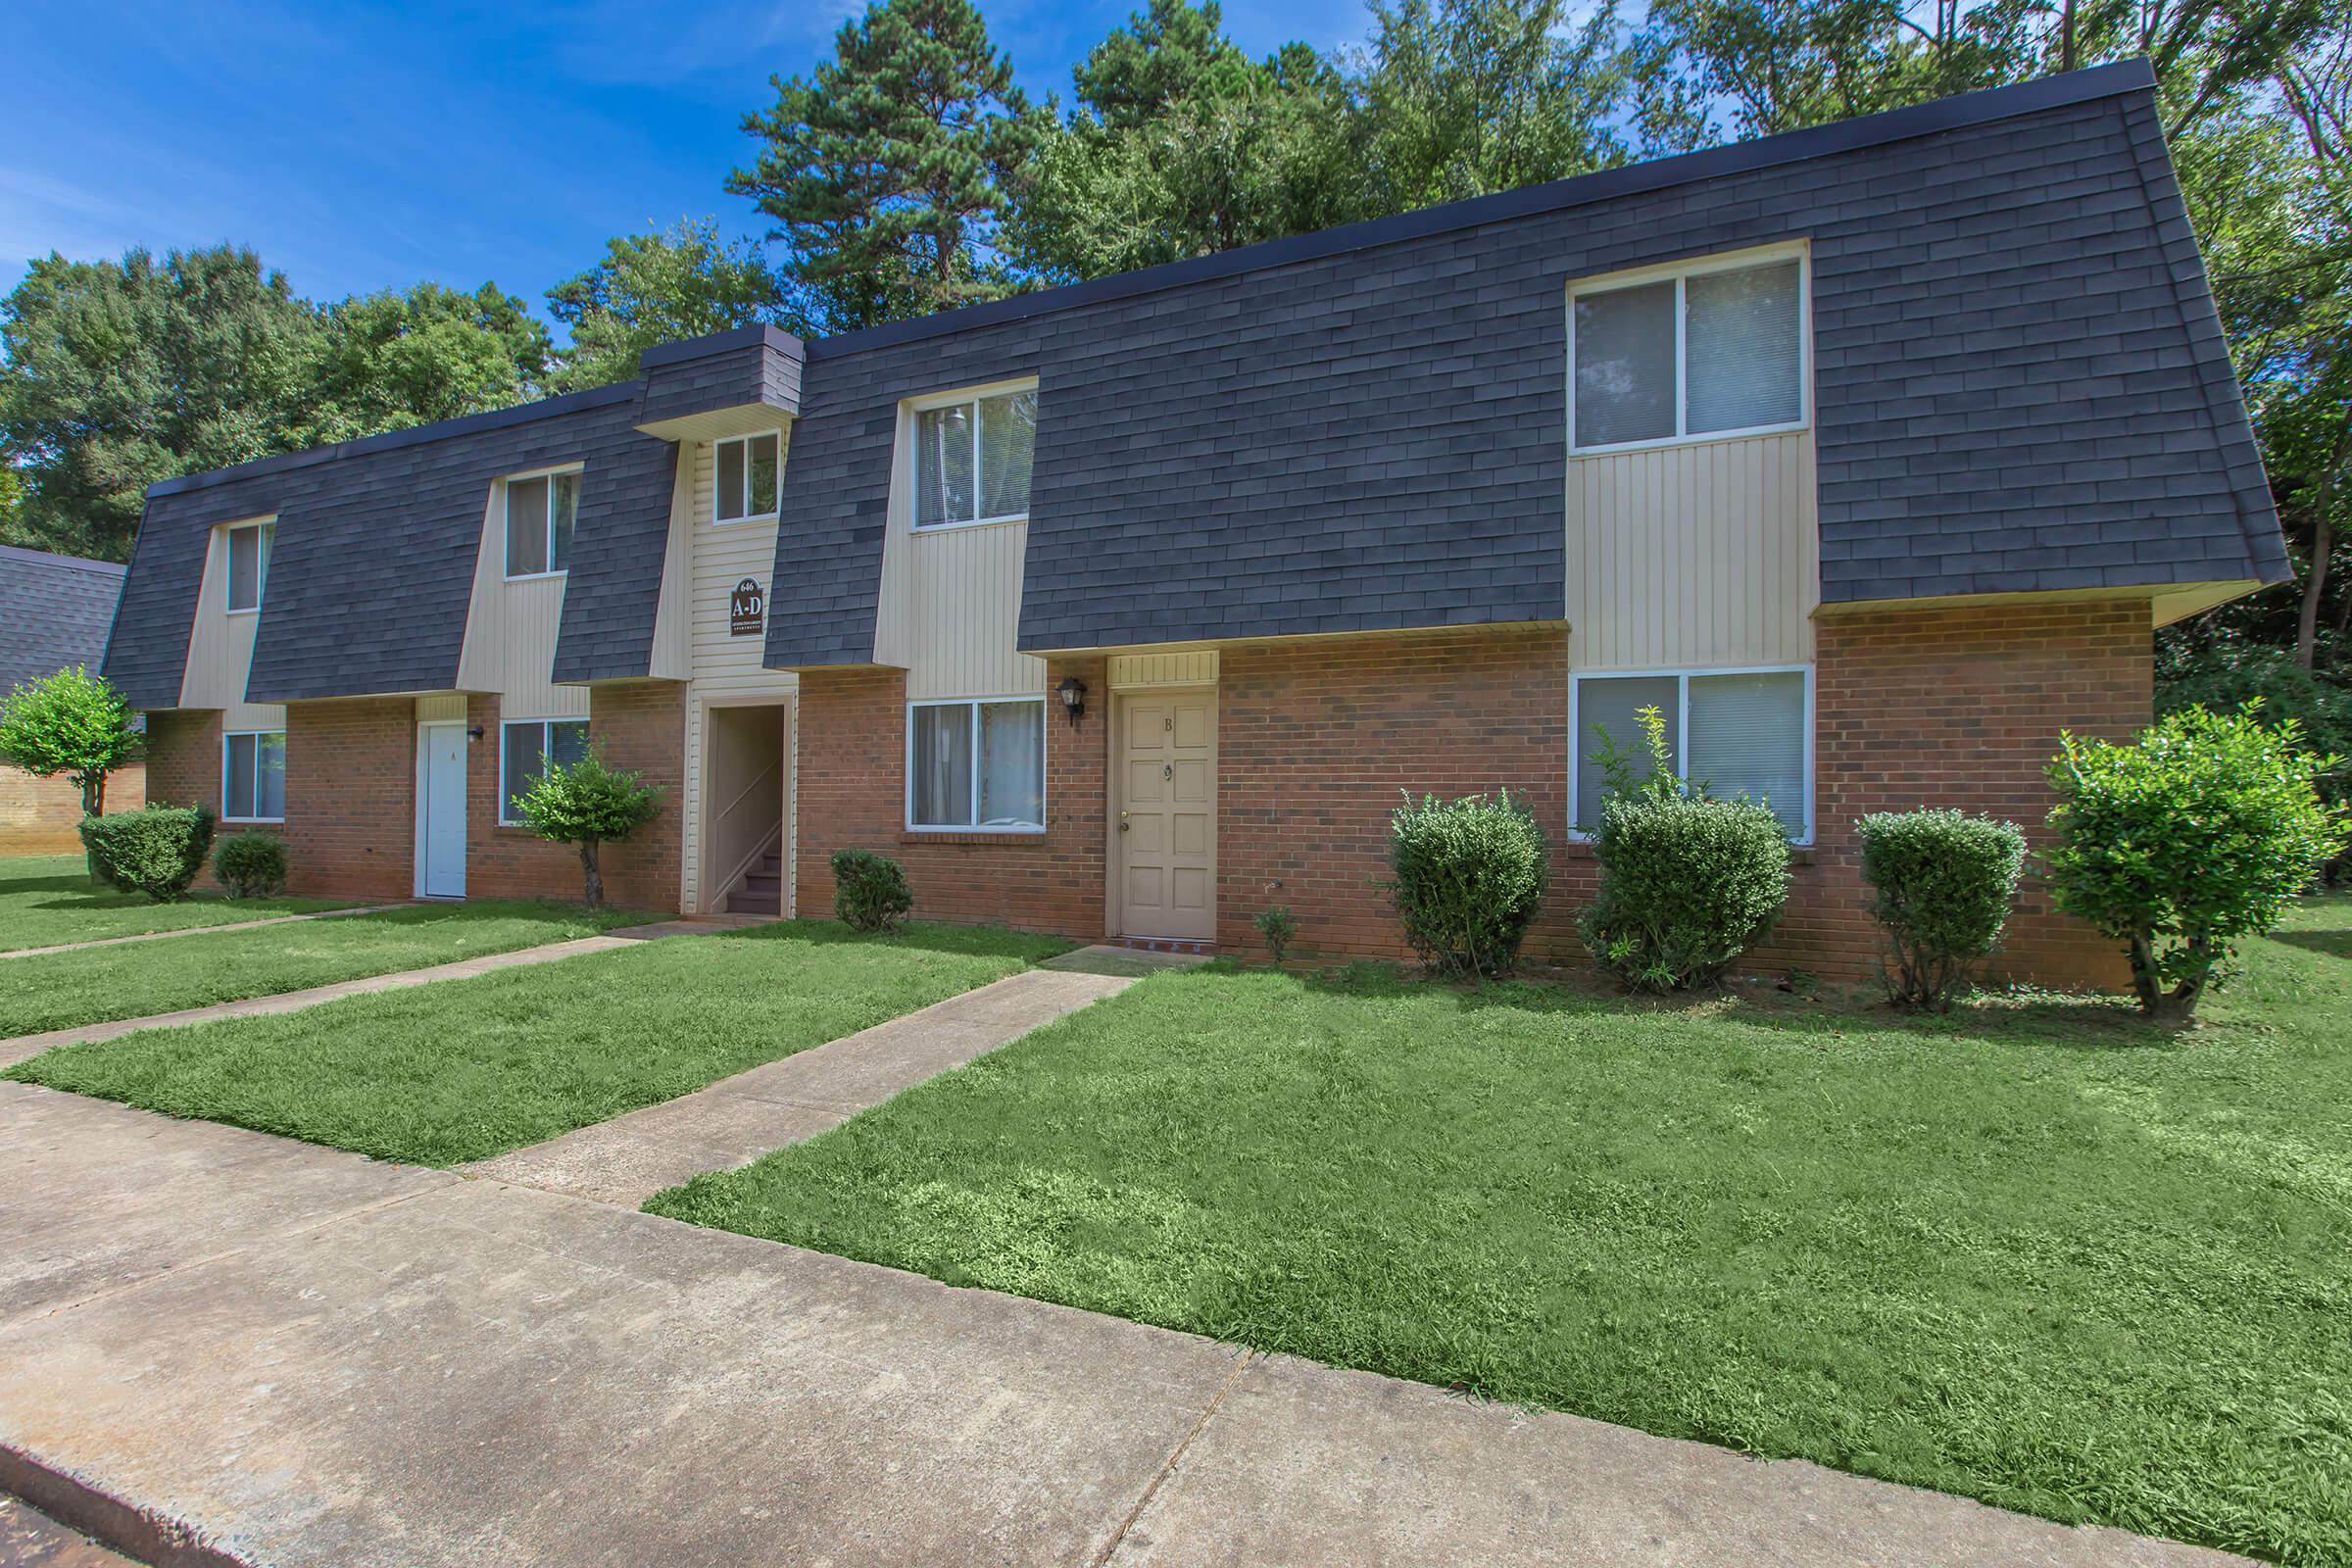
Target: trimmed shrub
(1469, 876)
(870, 891)
(1942, 886)
(2188, 840)
(252, 864)
(1280, 927)
(158, 851)
(1688, 883)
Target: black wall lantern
(1072, 692)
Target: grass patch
(47, 901)
(2037, 1252)
(465, 1069)
(99, 985)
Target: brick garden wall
(852, 792)
(39, 816)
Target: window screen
(1706, 353)
(248, 564)
(977, 764)
(1616, 703)
(942, 466)
(1625, 365)
(526, 528)
(1740, 336)
(1747, 737)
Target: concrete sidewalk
(738, 1119)
(301, 1358)
(23, 1048)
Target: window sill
(536, 576)
(976, 523)
(1703, 438)
(249, 610)
(253, 821)
(970, 835)
(737, 522)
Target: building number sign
(747, 609)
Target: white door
(1167, 863)
(441, 811)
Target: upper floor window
(744, 489)
(1715, 350)
(1739, 732)
(972, 459)
(248, 564)
(253, 776)
(540, 512)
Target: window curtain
(271, 768)
(943, 765)
(942, 463)
(1740, 339)
(1747, 737)
(1013, 765)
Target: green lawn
(2039, 1254)
(49, 900)
(67, 990)
(465, 1069)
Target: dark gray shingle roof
(54, 612)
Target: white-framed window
(977, 766)
(524, 747)
(1738, 731)
(974, 457)
(248, 566)
(1711, 349)
(253, 776)
(745, 472)
(541, 508)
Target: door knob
(1122, 821)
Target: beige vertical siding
(963, 602)
(1192, 667)
(1691, 556)
(441, 708)
(726, 669)
(220, 648)
(510, 631)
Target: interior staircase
(762, 890)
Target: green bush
(2188, 840)
(2223, 677)
(252, 864)
(1943, 884)
(585, 803)
(1688, 883)
(1468, 878)
(870, 891)
(158, 851)
(1280, 927)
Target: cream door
(1167, 862)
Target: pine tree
(887, 171)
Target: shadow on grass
(2334, 944)
(965, 941)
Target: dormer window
(744, 488)
(248, 566)
(1711, 349)
(540, 512)
(972, 459)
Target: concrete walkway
(26, 1047)
(299, 1358)
(196, 931)
(738, 1119)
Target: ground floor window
(1738, 731)
(253, 776)
(977, 766)
(525, 747)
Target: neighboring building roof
(2020, 385)
(54, 612)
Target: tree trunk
(595, 873)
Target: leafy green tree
(114, 375)
(587, 803)
(2186, 841)
(392, 360)
(74, 723)
(886, 171)
(659, 288)
(1180, 145)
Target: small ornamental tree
(74, 723)
(589, 805)
(2186, 841)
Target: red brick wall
(852, 793)
(351, 797)
(1319, 742)
(38, 816)
(634, 725)
(183, 758)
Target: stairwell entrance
(747, 809)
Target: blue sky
(360, 147)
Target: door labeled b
(1164, 861)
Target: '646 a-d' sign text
(747, 609)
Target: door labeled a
(1167, 832)
(441, 811)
